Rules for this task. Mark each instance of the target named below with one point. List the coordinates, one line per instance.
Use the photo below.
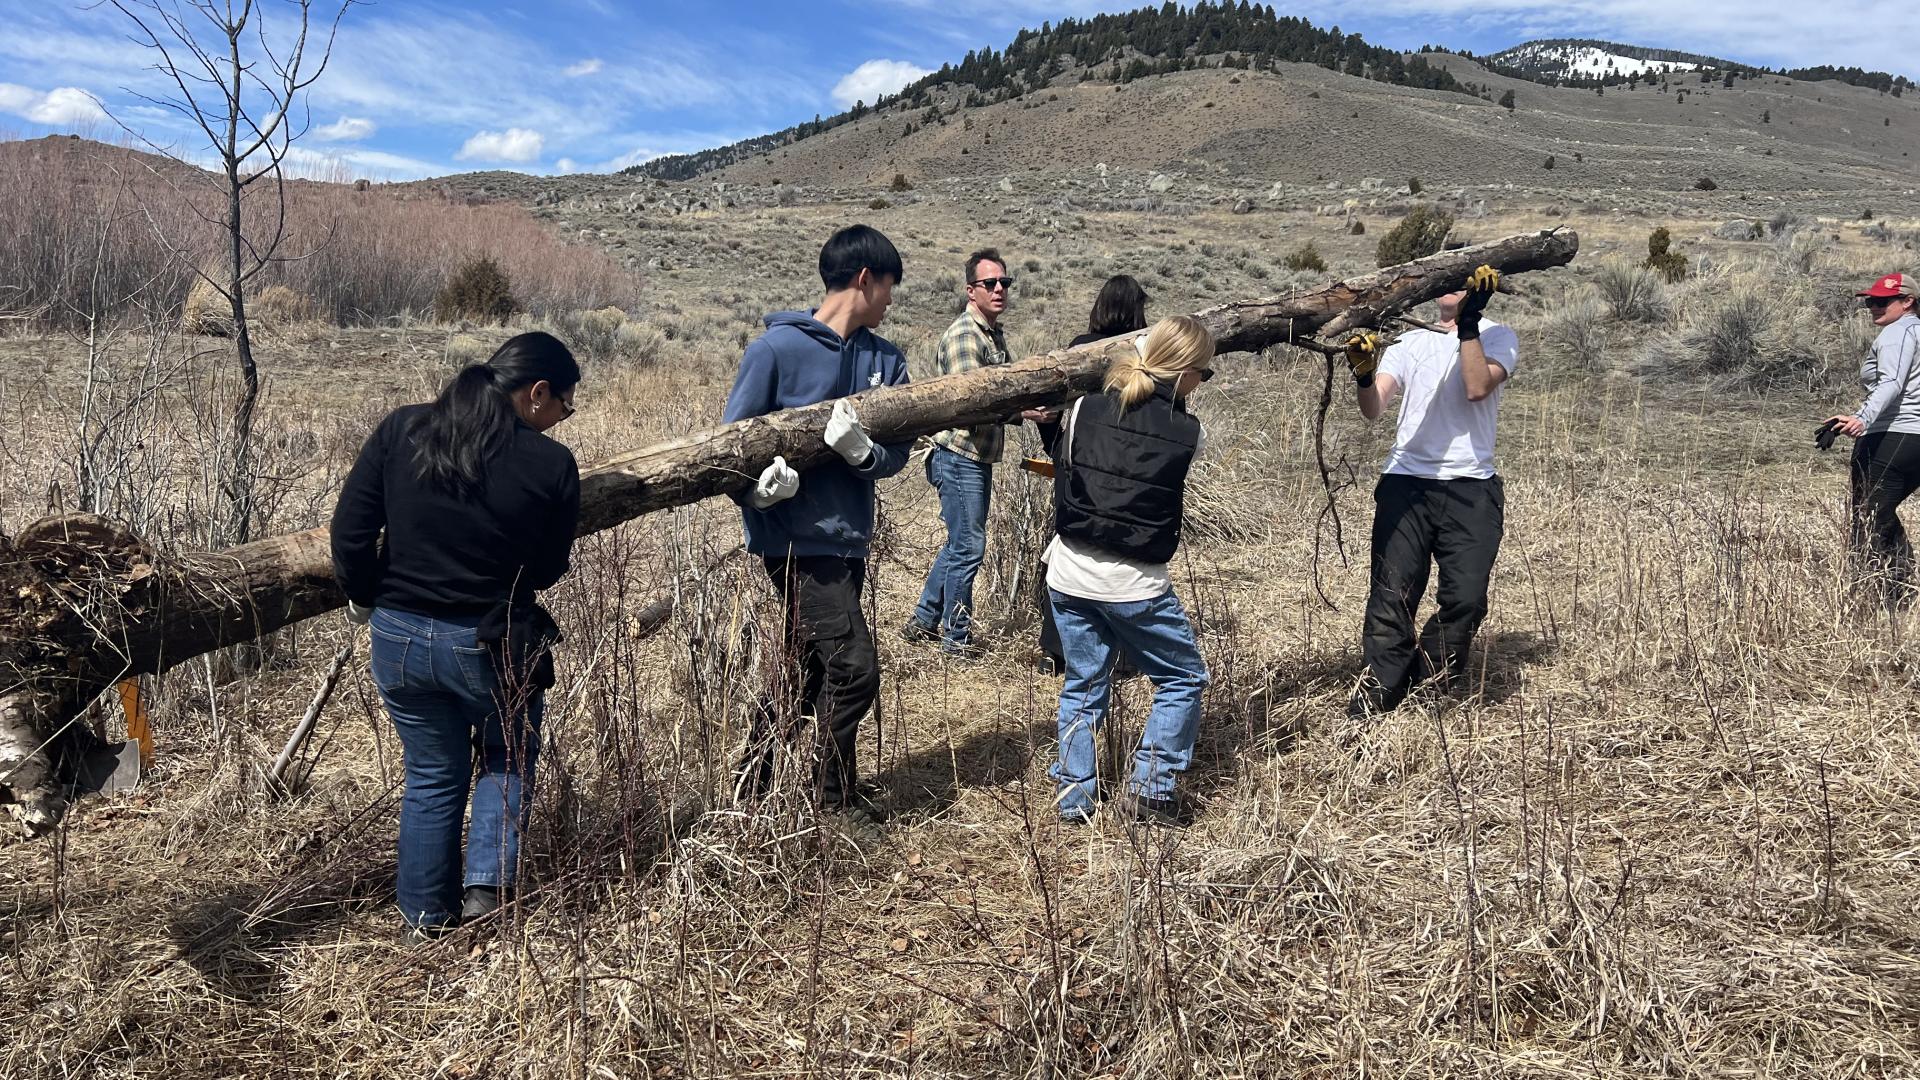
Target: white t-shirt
(1092, 574)
(1442, 435)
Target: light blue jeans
(442, 691)
(965, 487)
(1158, 640)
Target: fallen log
(83, 603)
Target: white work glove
(777, 482)
(845, 435)
(357, 615)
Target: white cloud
(566, 165)
(56, 108)
(513, 144)
(873, 78)
(346, 129)
(584, 67)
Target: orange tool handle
(138, 729)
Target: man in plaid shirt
(960, 466)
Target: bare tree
(231, 82)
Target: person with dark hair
(1121, 308)
(812, 530)
(1439, 500)
(960, 465)
(1119, 502)
(455, 514)
(1886, 434)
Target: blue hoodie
(800, 361)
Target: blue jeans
(441, 688)
(965, 486)
(1156, 637)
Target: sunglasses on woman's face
(1205, 373)
(990, 283)
(1880, 303)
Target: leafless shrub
(1752, 328)
(1577, 330)
(1631, 292)
(387, 251)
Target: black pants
(830, 673)
(1418, 522)
(1886, 469)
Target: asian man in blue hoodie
(812, 529)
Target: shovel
(114, 767)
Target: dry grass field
(1671, 833)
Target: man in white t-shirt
(1439, 500)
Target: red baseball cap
(1891, 285)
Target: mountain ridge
(1123, 47)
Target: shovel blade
(108, 768)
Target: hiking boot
(1169, 812)
(867, 804)
(917, 633)
(479, 901)
(1370, 700)
(965, 651)
(418, 934)
(1361, 706)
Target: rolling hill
(1301, 124)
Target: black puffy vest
(1121, 483)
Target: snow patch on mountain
(1566, 59)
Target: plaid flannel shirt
(969, 344)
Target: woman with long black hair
(478, 507)
(1121, 308)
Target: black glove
(1823, 437)
(1481, 285)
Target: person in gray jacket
(1886, 434)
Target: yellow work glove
(1480, 288)
(1363, 356)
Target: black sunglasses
(1877, 302)
(988, 283)
(1206, 373)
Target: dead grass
(1670, 834)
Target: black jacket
(1120, 478)
(445, 557)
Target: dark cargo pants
(1419, 523)
(830, 673)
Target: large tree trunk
(84, 604)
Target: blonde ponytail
(1175, 345)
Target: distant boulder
(1243, 206)
(1160, 182)
(1739, 229)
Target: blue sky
(423, 87)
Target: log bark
(84, 604)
